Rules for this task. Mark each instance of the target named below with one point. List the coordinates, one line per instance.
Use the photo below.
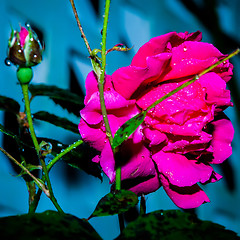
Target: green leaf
(127, 129)
(119, 47)
(57, 121)
(63, 97)
(115, 203)
(79, 158)
(49, 225)
(9, 105)
(9, 133)
(174, 224)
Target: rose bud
(24, 48)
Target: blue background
(134, 23)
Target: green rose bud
(24, 48)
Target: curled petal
(146, 186)
(114, 102)
(182, 145)
(222, 137)
(154, 136)
(181, 171)
(185, 197)
(161, 44)
(191, 58)
(215, 88)
(107, 162)
(92, 135)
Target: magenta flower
(182, 135)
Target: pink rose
(182, 135)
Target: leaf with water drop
(79, 158)
(127, 129)
(114, 203)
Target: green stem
(33, 207)
(143, 205)
(118, 178)
(61, 154)
(49, 192)
(51, 195)
(36, 180)
(101, 90)
(29, 117)
(34, 204)
(104, 40)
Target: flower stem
(80, 27)
(61, 154)
(101, 90)
(51, 195)
(34, 204)
(29, 117)
(143, 205)
(36, 180)
(45, 177)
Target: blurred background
(66, 65)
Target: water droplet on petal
(184, 49)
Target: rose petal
(136, 161)
(148, 186)
(185, 197)
(159, 44)
(188, 67)
(22, 35)
(107, 162)
(191, 58)
(92, 85)
(154, 136)
(177, 108)
(92, 135)
(222, 137)
(181, 171)
(114, 102)
(215, 88)
(126, 80)
(181, 144)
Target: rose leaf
(9, 105)
(127, 129)
(63, 97)
(174, 224)
(49, 225)
(114, 203)
(57, 121)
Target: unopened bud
(24, 48)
